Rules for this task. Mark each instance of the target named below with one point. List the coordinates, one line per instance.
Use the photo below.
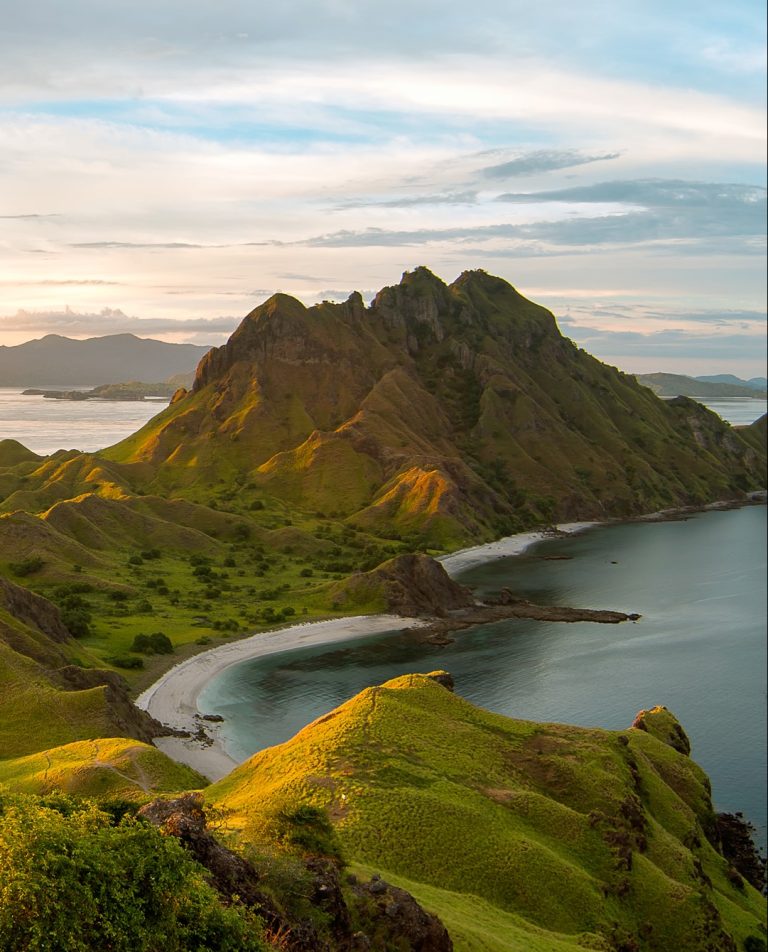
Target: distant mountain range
(54, 361)
(721, 386)
(754, 383)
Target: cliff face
(452, 413)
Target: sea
(699, 649)
(45, 425)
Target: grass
(101, 768)
(415, 777)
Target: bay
(699, 649)
(45, 426)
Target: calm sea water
(739, 411)
(700, 649)
(45, 426)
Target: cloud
(449, 198)
(30, 217)
(653, 193)
(542, 160)
(112, 321)
(682, 345)
(139, 244)
(64, 282)
(169, 245)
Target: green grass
(101, 768)
(565, 831)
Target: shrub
(156, 643)
(76, 878)
(308, 828)
(77, 621)
(27, 567)
(125, 661)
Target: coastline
(172, 698)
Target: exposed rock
(231, 874)
(418, 585)
(508, 605)
(401, 922)
(391, 916)
(444, 678)
(128, 720)
(33, 610)
(738, 847)
(663, 725)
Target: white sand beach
(172, 699)
(510, 545)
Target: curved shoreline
(173, 698)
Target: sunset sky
(166, 165)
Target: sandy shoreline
(172, 699)
(510, 545)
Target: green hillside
(518, 834)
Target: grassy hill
(518, 834)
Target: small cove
(699, 649)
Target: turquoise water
(700, 649)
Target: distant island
(134, 390)
(723, 386)
(54, 361)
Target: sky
(165, 166)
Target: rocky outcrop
(399, 921)
(416, 585)
(127, 719)
(662, 724)
(389, 917)
(33, 610)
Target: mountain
(439, 414)
(673, 385)
(519, 835)
(61, 361)
(754, 383)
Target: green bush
(156, 643)
(72, 879)
(26, 567)
(125, 661)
